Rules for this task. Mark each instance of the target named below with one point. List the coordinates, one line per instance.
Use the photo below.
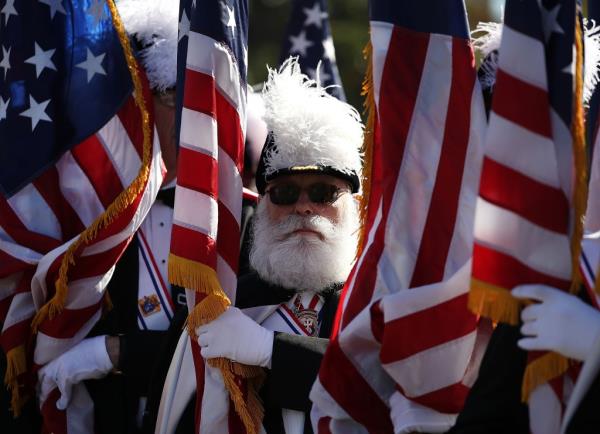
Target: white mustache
(290, 224)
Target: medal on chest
(149, 305)
(307, 316)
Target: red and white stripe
(517, 238)
(40, 222)
(403, 360)
(208, 195)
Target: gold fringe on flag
(122, 201)
(552, 365)
(542, 370)
(367, 148)
(203, 279)
(16, 365)
(494, 302)
(580, 190)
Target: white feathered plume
(592, 58)
(487, 45)
(154, 23)
(310, 126)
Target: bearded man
(303, 247)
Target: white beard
(304, 261)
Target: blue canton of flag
(53, 75)
(308, 36)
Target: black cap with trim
(262, 179)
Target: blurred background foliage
(349, 23)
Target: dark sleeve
(139, 353)
(586, 419)
(494, 403)
(294, 368)
(161, 368)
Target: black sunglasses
(288, 193)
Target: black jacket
(294, 365)
(116, 396)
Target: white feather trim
(592, 58)
(310, 126)
(154, 23)
(487, 45)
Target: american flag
(308, 36)
(407, 349)
(78, 175)
(208, 196)
(527, 226)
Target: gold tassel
(367, 148)
(541, 370)
(122, 201)
(204, 280)
(552, 365)
(251, 412)
(207, 310)
(16, 365)
(493, 302)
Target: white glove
(86, 360)
(235, 336)
(561, 322)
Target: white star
(93, 65)
(8, 10)
(328, 50)
(314, 16)
(300, 43)
(36, 111)
(5, 63)
(322, 77)
(231, 20)
(41, 59)
(97, 11)
(184, 26)
(3, 107)
(55, 6)
(550, 21)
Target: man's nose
(304, 206)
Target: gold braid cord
(552, 365)
(371, 112)
(203, 279)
